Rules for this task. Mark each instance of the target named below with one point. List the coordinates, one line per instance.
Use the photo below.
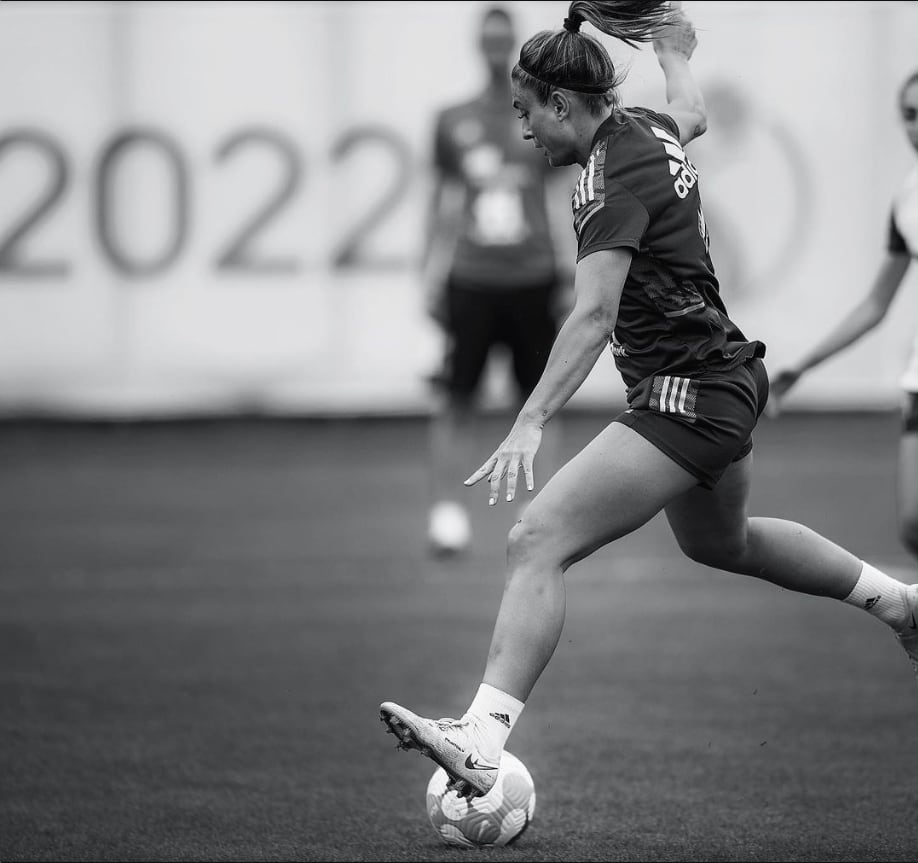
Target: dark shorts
(909, 413)
(479, 318)
(705, 422)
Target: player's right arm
(584, 335)
(860, 320)
(684, 101)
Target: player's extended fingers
(482, 472)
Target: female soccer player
(645, 286)
(901, 247)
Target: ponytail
(630, 21)
(568, 59)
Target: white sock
(494, 714)
(881, 596)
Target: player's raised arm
(674, 47)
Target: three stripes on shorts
(675, 395)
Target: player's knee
(528, 540)
(521, 541)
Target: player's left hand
(518, 449)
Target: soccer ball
(497, 818)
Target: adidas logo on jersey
(680, 166)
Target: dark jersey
(639, 190)
(505, 240)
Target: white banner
(211, 207)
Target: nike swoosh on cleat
(473, 766)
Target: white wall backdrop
(210, 207)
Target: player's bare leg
(908, 529)
(907, 501)
(616, 484)
(714, 528)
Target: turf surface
(199, 620)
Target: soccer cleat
(448, 742)
(908, 638)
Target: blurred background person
(491, 268)
(901, 248)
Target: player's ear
(560, 104)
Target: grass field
(199, 620)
